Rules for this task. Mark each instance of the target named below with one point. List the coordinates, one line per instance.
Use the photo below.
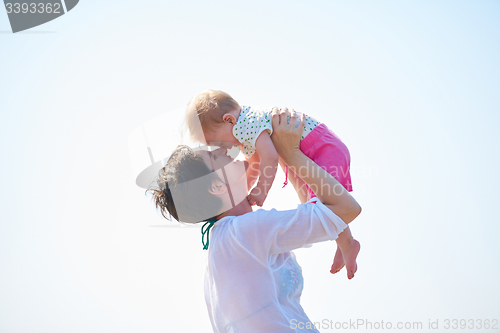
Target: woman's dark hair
(192, 199)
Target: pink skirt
(327, 150)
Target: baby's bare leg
(347, 252)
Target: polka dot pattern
(253, 120)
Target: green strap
(205, 231)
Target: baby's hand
(256, 197)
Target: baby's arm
(267, 168)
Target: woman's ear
(229, 118)
(218, 187)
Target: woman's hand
(287, 134)
(286, 138)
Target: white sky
(410, 86)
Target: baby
(225, 123)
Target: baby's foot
(338, 261)
(350, 254)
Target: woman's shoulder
(266, 217)
(284, 215)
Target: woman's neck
(240, 209)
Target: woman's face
(232, 172)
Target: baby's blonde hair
(206, 109)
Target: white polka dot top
(253, 120)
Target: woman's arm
(267, 169)
(286, 138)
(297, 183)
(253, 170)
(268, 161)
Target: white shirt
(253, 282)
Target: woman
(253, 282)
